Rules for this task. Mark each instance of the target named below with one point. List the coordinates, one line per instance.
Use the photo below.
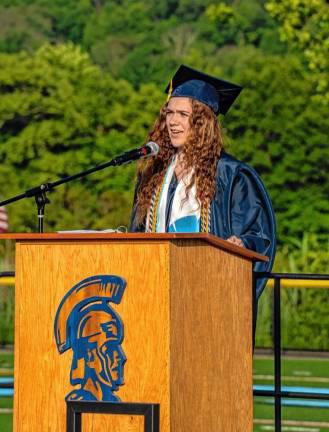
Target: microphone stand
(40, 192)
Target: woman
(192, 185)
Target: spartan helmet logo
(87, 324)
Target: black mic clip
(41, 189)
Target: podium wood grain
(187, 333)
(210, 334)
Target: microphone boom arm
(40, 192)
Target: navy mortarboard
(219, 95)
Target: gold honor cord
(154, 207)
(154, 210)
(205, 218)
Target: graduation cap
(219, 95)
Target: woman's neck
(180, 169)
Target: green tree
(305, 25)
(124, 18)
(240, 22)
(23, 27)
(64, 19)
(60, 114)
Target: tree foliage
(23, 27)
(60, 114)
(305, 24)
(62, 110)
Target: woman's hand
(235, 240)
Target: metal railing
(277, 393)
(8, 277)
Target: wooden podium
(187, 317)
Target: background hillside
(82, 80)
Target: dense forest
(83, 80)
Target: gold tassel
(170, 91)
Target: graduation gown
(241, 207)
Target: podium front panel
(45, 273)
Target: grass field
(306, 372)
(298, 372)
(6, 422)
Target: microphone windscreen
(154, 147)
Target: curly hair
(201, 152)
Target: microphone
(149, 149)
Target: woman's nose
(173, 119)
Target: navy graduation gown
(241, 207)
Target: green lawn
(299, 372)
(6, 363)
(6, 422)
(293, 366)
(264, 409)
(6, 359)
(6, 419)
(6, 402)
(306, 372)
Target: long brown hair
(201, 152)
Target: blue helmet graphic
(86, 323)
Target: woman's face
(178, 113)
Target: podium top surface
(132, 237)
